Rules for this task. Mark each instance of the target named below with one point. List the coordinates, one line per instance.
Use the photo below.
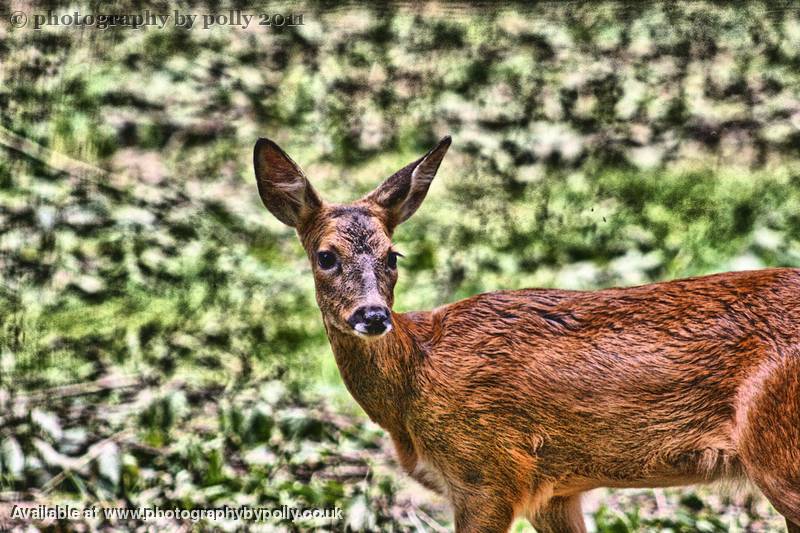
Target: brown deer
(514, 403)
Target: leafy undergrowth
(160, 349)
(119, 442)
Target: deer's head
(349, 245)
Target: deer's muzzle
(371, 320)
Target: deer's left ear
(402, 193)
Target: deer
(513, 403)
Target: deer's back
(574, 378)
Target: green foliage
(159, 340)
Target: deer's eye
(391, 259)
(326, 260)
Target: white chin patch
(361, 331)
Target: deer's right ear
(283, 187)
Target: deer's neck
(380, 373)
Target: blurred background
(159, 338)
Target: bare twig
(431, 523)
(152, 450)
(661, 502)
(22, 404)
(53, 159)
(103, 384)
(15, 496)
(94, 451)
(414, 520)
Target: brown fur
(513, 403)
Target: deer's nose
(371, 320)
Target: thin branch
(433, 524)
(94, 451)
(103, 384)
(51, 158)
(414, 520)
(661, 502)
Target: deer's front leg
(560, 515)
(482, 514)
